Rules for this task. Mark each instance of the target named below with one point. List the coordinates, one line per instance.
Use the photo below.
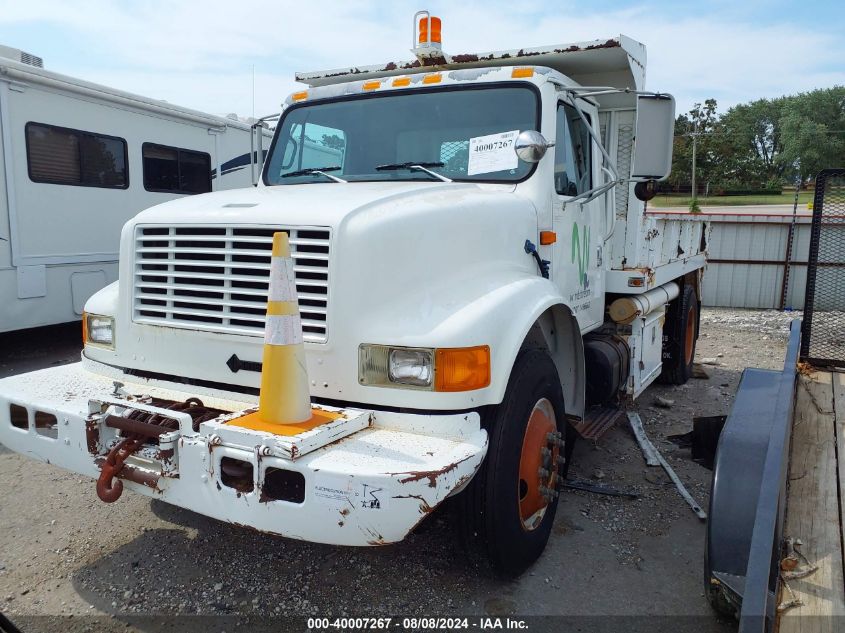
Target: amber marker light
(300, 96)
(371, 85)
(433, 78)
(401, 82)
(519, 73)
(462, 368)
(547, 237)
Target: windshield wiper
(416, 167)
(318, 171)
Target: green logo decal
(581, 252)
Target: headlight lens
(99, 330)
(408, 367)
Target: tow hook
(109, 489)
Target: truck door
(580, 225)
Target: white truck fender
(548, 323)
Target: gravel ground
(64, 553)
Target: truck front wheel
(509, 507)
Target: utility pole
(694, 148)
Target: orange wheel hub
(538, 464)
(689, 335)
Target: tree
(751, 143)
(813, 130)
(334, 141)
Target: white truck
(460, 226)
(77, 160)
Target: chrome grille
(215, 278)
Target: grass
(728, 201)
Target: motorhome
(77, 160)
(476, 276)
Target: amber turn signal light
(462, 368)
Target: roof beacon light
(428, 40)
(429, 31)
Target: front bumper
(368, 478)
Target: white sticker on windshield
(493, 152)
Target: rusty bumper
(369, 483)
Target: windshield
(462, 134)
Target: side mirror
(531, 146)
(653, 145)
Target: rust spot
(460, 59)
(166, 454)
(425, 508)
(431, 475)
(351, 71)
(434, 61)
(390, 66)
(414, 64)
(92, 436)
(344, 512)
(607, 44)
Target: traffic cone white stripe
(283, 330)
(282, 280)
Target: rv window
(62, 156)
(573, 155)
(175, 170)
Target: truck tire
(504, 514)
(681, 330)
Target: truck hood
(412, 264)
(313, 204)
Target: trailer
(77, 160)
(472, 278)
(774, 552)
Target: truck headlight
(442, 369)
(98, 330)
(408, 367)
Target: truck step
(597, 422)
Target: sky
(203, 53)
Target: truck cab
(459, 227)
